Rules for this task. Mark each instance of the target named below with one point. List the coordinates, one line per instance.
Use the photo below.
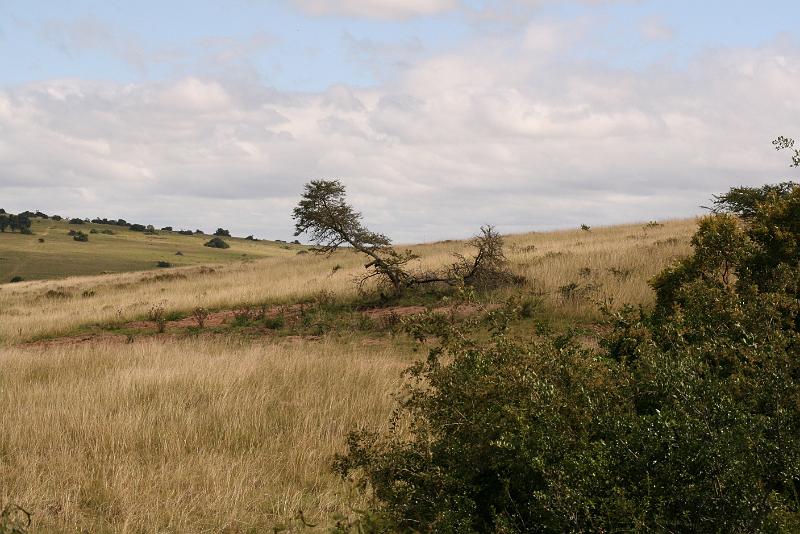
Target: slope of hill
(231, 424)
(51, 253)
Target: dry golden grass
(549, 261)
(210, 435)
(188, 436)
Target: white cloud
(380, 9)
(655, 29)
(497, 133)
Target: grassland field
(59, 255)
(110, 426)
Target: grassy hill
(109, 425)
(51, 253)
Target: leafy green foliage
(21, 222)
(686, 419)
(216, 242)
(757, 240)
(80, 236)
(744, 201)
(782, 143)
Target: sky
(438, 115)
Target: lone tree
(324, 214)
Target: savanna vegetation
(52, 248)
(630, 378)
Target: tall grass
(620, 260)
(188, 436)
(218, 434)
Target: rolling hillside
(51, 253)
(231, 425)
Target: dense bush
(21, 222)
(79, 236)
(216, 242)
(687, 419)
(117, 222)
(76, 221)
(222, 232)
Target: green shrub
(275, 323)
(686, 419)
(244, 316)
(162, 263)
(15, 279)
(80, 236)
(216, 242)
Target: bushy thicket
(216, 242)
(21, 222)
(686, 419)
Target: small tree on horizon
(324, 214)
(331, 222)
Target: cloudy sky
(439, 115)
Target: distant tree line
(20, 222)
